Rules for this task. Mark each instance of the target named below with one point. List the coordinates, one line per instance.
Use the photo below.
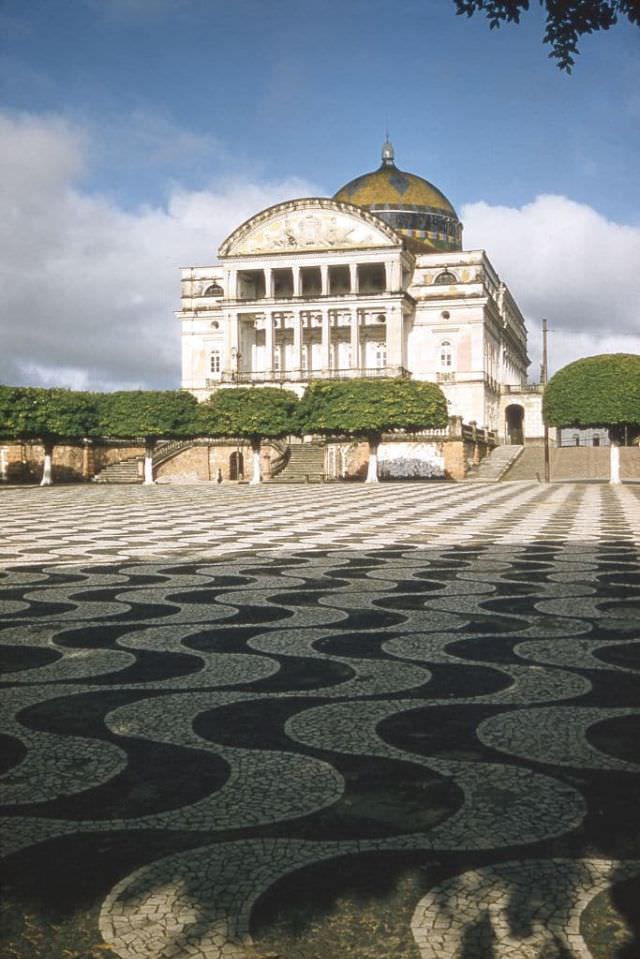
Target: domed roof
(409, 203)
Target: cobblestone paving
(213, 696)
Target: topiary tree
(48, 416)
(367, 408)
(151, 415)
(598, 391)
(8, 399)
(254, 414)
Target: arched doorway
(514, 423)
(236, 466)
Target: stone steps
(305, 465)
(494, 466)
(566, 463)
(124, 471)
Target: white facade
(318, 288)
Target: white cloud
(91, 289)
(564, 261)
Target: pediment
(309, 225)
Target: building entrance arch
(236, 466)
(514, 424)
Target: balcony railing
(524, 388)
(467, 376)
(304, 376)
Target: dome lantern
(387, 153)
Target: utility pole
(544, 374)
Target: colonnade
(357, 327)
(392, 278)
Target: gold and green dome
(408, 203)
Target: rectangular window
(214, 361)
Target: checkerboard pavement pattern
(224, 706)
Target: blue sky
(167, 117)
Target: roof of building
(412, 206)
(392, 186)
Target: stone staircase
(126, 470)
(567, 464)
(123, 471)
(305, 464)
(494, 466)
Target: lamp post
(544, 374)
(236, 356)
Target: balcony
(523, 388)
(305, 376)
(448, 377)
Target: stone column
(325, 349)
(296, 280)
(355, 339)
(353, 274)
(268, 341)
(324, 277)
(268, 282)
(297, 341)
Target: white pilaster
(296, 281)
(268, 341)
(268, 282)
(395, 336)
(232, 284)
(297, 340)
(325, 349)
(355, 339)
(231, 340)
(392, 272)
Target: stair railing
(281, 459)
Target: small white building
(373, 282)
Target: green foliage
(254, 413)
(369, 407)
(8, 402)
(595, 391)
(566, 21)
(153, 414)
(50, 415)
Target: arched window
(446, 278)
(380, 356)
(214, 290)
(446, 355)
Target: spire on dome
(387, 153)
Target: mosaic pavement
(323, 721)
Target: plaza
(315, 721)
